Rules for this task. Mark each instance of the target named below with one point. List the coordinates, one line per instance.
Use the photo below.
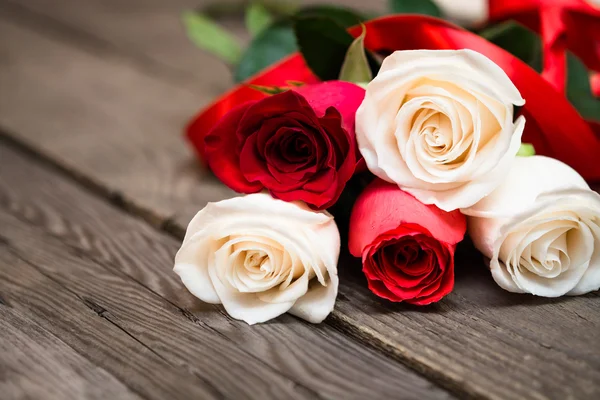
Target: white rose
(261, 257)
(439, 123)
(541, 230)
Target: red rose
(407, 247)
(299, 144)
(289, 69)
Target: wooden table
(96, 188)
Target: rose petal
(526, 180)
(345, 97)
(221, 159)
(191, 264)
(247, 306)
(382, 207)
(522, 223)
(590, 281)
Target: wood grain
(479, 342)
(121, 268)
(80, 324)
(225, 370)
(36, 364)
(487, 341)
(150, 34)
(136, 115)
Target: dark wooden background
(96, 188)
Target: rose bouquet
(411, 131)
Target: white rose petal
(439, 124)
(540, 229)
(261, 257)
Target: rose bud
(299, 144)
(407, 247)
(439, 124)
(540, 229)
(261, 257)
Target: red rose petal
(292, 68)
(379, 288)
(279, 105)
(345, 97)
(222, 160)
(432, 295)
(316, 200)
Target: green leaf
(518, 40)
(356, 66)
(579, 89)
(211, 37)
(258, 18)
(270, 46)
(342, 16)
(425, 7)
(526, 45)
(324, 44)
(526, 150)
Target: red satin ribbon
(553, 125)
(563, 24)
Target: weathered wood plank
(149, 32)
(488, 341)
(81, 325)
(128, 110)
(222, 368)
(480, 341)
(36, 364)
(315, 361)
(131, 94)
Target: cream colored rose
(261, 257)
(439, 124)
(541, 230)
